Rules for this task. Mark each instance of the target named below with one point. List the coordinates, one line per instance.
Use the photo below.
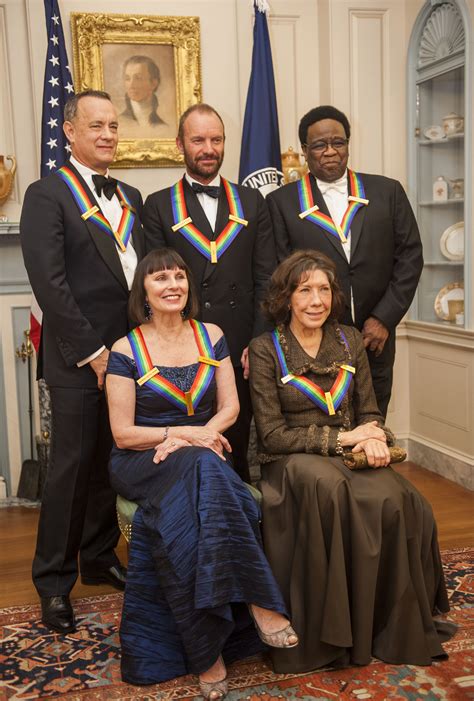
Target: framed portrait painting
(151, 68)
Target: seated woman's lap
(313, 476)
(136, 477)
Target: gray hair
(70, 109)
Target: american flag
(58, 87)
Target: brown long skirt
(356, 556)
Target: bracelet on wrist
(339, 450)
(165, 434)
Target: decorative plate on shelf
(451, 242)
(454, 292)
(435, 133)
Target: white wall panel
(446, 399)
(442, 404)
(285, 66)
(368, 86)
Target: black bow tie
(211, 190)
(106, 185)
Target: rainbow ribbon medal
(310, 211)
(327, 401)
(212, 250)
(92, 212)
(149, 374)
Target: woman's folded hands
(183, 436)
(371, 439)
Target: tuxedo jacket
(76, 275)
(386, 251)
(231, 290)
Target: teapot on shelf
(453, 124)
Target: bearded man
(224, 234)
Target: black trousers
(238, 435)
(78, 516)
(381, 369)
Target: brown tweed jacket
(289, 422)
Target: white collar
(214, 183)
(84, 170)
(336, 184)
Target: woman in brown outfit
(355, 552)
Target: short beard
(196, 172)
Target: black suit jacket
(76, 275)
(231, 290)
(386, 252)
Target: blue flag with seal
(260, 158)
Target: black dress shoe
(115, 575)
(57, 614)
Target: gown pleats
(365, 573)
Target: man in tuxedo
(227, 243)
(81, 273)
(365, 224)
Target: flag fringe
(262, 6)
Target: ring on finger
(173, 443)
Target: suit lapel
(138, 236)
(222, 212)
(138, 239)
(356, 226)
(319, 200)
(106, 247)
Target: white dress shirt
(335, 195)
(112, 211)
(208, 203)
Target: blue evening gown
(196, 555)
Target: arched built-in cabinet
(439, 139)
(440, 332)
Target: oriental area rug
(84, 666)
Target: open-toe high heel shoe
(214, 691)
(278, 639)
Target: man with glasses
(365, 224)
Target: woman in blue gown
(197, 572)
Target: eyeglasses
(320, 146)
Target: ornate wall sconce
(6, 181)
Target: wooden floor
(452, 505)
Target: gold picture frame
(106, 48)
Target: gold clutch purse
(357, 461)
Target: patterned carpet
(85, 666)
